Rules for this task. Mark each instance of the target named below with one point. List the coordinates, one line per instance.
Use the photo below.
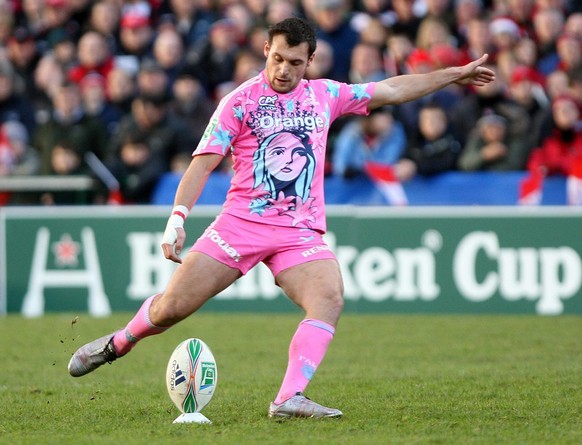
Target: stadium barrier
(445, 189)
(100, 259)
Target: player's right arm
(189, 190)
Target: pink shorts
(242, 244)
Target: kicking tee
(278, 143)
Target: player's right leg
(198, 279)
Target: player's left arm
(404, 88)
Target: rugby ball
(191, 376)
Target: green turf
(399, 380)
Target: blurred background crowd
(123, 89)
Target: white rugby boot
(301, 406)
(92, 355)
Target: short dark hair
(296, 31)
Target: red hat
(445, 54)
(134, 19)
(522, 73)
(419, 57)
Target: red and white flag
(531, 189)
(574, 184)
(385, 179)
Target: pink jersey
(278, 143)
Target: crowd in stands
(133, 83)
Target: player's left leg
(317, 288)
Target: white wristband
(181, 211)
(176, 220)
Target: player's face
(286, 64)
(285, 158)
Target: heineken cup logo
(208, 380)
(67, 273)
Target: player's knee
(335, 301)
(167, 312)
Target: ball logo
(208, 378)
(176, 376)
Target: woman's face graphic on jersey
(286, 65)
(285, 157)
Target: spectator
(104, 18)
(17, 157)
(333, 25)
(152, 79)
(256, 42)
(33, 16)
(63, 48)
(404, 20)
(14, 106)
(557, 84)
(506, 63)
(374, 33)
(93, 57)
(434, 151)
(95, 103)
(569, 50)
(505, 34)
(548, 25)
(432, 32)
(68, 124)
(246, 65)
(168, 182)
(168, 52)
(399, 48)
(49, 76)
(322, 63)
(372, 9)
(366, 64)
(377, 137)
(562, 147)
(190, 103)
(192, 21)
(56, 14)
(242, 20)
(121, 88)
(465, 12)
(489, 148)
(165, 136)
(441, 10)
(135, 34)
(66, 159)
(489, 99)
(278, 10)
(526, 53)
(573, 24)
(420, 61)
(478, 41)
(521, 12)
(137, 168)
(23, 55)
(526, 89)
(217, 54)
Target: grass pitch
(403, 379)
